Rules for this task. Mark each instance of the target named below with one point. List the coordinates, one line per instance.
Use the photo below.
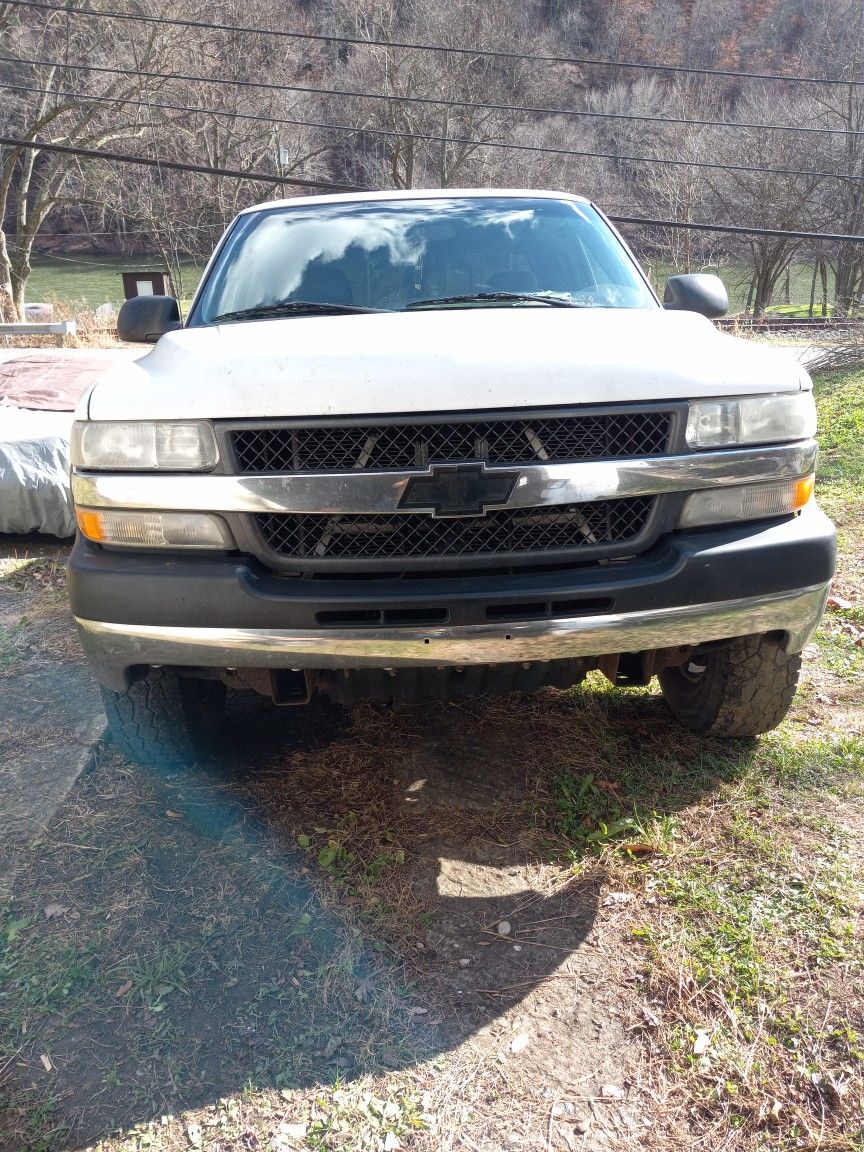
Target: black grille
(565, 527)
(497, 441)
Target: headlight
(127, 447)
(751, 420)
(745, 502)
(154, 529)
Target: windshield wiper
(292, 308)
(554, 301)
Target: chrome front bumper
(121, 646)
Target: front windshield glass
(398, 254)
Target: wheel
(742, 689)
(166, 721)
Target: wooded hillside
(684, 145)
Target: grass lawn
(547, 924)
(95, 280)
(736, 276)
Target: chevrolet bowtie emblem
(458, 490)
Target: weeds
(593, 815)
(155, 977)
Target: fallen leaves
(650, 1016)
(617, 898)
(770, 1114)
(612, 1092)
(839, 603)
(364, 987)
(829, 1087)
(123, 989)
(288, 1136)
(854, 631)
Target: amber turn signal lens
(803, 491)
(90, 524)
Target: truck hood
(437, 361)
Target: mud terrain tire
(740, 690)
(166, 721)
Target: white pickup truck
(438, 443)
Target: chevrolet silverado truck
(434, 444)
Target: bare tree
(66, 106)
(436, 123)
(91, 109)
(760, 194)
(403, 142)
(840, 40)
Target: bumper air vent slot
(517, 611)
(556, 609)
(421, 616)
(564, 608)
(348, 617)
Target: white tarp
(34, 471)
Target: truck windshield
(441, 252)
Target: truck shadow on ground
(361, 892)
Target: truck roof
(415, 194)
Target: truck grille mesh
(507, 441)
(565, 528)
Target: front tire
(740, 690)
(164, 720)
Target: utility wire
(638, 221)
(435, 101)
(489, 53)
(628, 116)
(663, 161)
(737, 230)
(176, 165)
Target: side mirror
(143, 319)
(700, 292)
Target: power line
(436, 101)
(121, 233)
(663, 161)
(90, 263)
(578, 112)
(737, 230)
(416, 46)
(638, 221)
(177, 165)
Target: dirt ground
(479, 945)
(551, 923)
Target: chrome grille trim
(372, 493)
